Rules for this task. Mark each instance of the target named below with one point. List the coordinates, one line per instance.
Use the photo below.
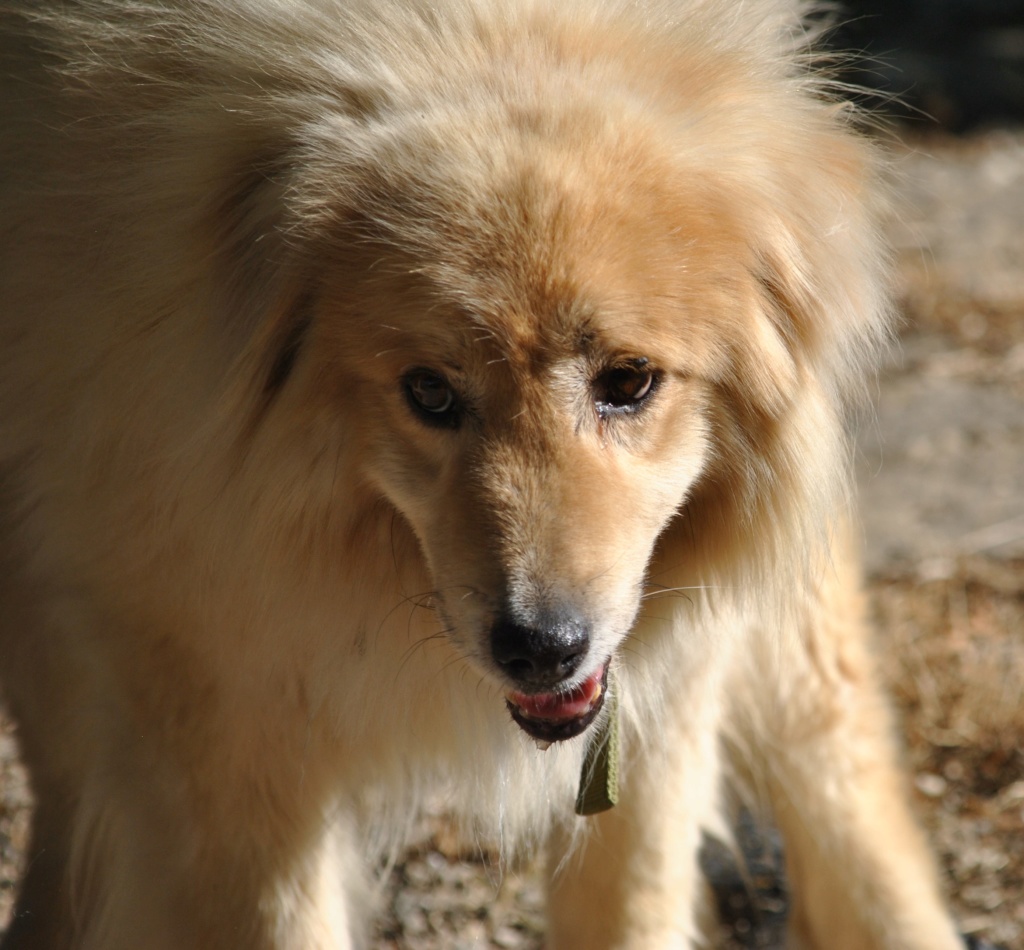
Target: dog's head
(526, 397)
(555, 328)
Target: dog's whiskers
(661, 591)
(420, 644)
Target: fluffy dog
(384, 385)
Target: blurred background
(941, 469)
(958, 64)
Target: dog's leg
(859, 867)
(43, 690)
(40, 919)
(143, 837)
(114, 870)
(632, 882)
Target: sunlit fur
(248, 590)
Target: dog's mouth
(553, 717)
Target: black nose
(539, 658)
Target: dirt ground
(942, 488)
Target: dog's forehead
(549, 246)
(535, 268)
(568, 323)
(528, 321)
(598, 280)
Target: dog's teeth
(542, 745)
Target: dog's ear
(289, 201)
(822, 269)
(264, 284)
(817, 275)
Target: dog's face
(526, 363)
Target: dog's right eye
(625, 389)
(431, 397)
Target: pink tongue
(560, 705)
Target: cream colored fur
(247, 589)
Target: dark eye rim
(444, 417)
(610, 402)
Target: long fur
(244, 624)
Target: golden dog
(384, 385)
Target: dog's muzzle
(542, 657)
(541, 661)
(552, 717)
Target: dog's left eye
(432, 397)
(624, 388)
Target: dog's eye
(625, 388)
(431, 396)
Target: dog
(404, 400)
